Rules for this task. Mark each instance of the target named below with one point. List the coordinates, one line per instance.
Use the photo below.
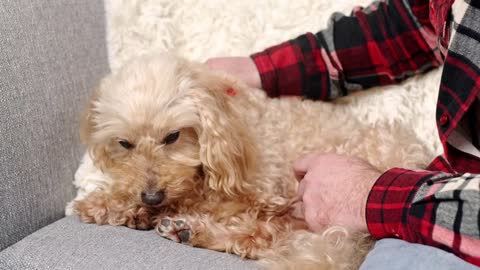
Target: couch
(51, 54)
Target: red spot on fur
(231, 92)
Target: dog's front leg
(247, 238)
(100, 208)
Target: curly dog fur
(227, 179)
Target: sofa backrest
(51, 54)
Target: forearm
(431, 208)
(379, 45)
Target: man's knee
(393, 254)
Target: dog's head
(166, 129)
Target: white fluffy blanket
(199, 29)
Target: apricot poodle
(207, 161)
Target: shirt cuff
(293, 68)
(271, 65)
(266, 69)
(390, 200)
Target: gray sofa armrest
(51, 54)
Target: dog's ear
(98, 152)
(227, 151)
(87, 124)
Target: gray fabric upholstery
(69, 244)
(396, 254)
(51, 52)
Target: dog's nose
(152, 197)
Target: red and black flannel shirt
(382, 44)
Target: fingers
(301, 165)
(314, 213)
(309, 214)
(299, 175)
(298, 210)
(301, 189)
(311, 217)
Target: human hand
(334, 190)
(241, 67)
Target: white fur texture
(87, 179)
(199, 30)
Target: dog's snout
(153, 197)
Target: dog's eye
(125, 144)
(172, 137)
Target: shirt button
(443, 119)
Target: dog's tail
(334, 249)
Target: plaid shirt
(382, 44)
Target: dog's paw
(139, 219)
(91, 211)
(175, 229)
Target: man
(383, 44)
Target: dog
(206, 161)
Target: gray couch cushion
(69, 244)
(51, 52)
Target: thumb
(298, 210)
(301, 165)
